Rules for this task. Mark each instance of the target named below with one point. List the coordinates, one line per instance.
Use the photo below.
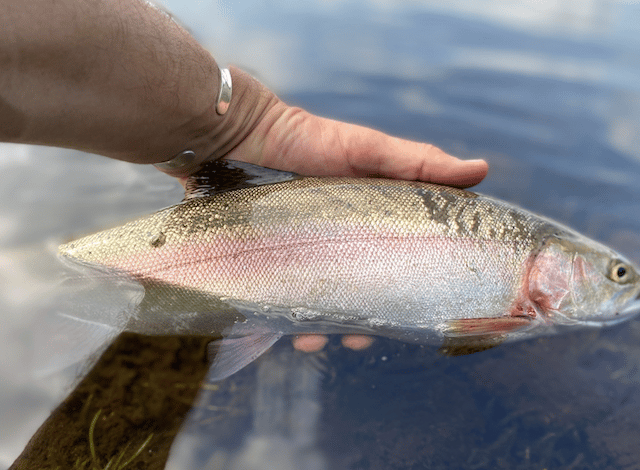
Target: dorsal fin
(219, 176)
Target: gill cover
(575, 280)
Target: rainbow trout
(255, 254)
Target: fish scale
(392, 257)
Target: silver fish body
(386, 255)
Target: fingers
(310, 145)
(313, 343)
(357, 342)
(370, 152)
(309, 343)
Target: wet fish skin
(384, 250)
(385, 255)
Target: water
(547, 93)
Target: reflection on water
(548, 92)
(285, 412)
(127, 409)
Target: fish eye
(620, 272)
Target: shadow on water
(127, 410)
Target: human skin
(120, 78)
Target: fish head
(576, 280)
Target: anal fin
(229, 355)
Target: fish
(255, 254)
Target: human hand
(259, 128)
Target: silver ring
(182, 160)
(224, 95)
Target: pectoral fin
(229, 355)
(470, 335)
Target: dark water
(548, 95)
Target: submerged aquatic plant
(115, 462)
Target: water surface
(548, 94)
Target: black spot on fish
(519, 224)
(436, 211)
(475, 223)
(447, 197)
(158, 240)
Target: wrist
(212, 135)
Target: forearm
(117, 78)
